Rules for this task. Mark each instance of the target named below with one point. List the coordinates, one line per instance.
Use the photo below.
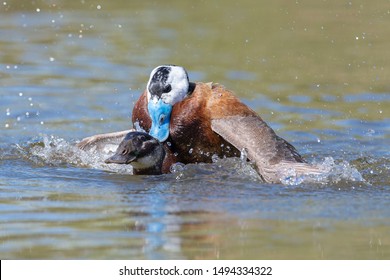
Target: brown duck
(198, 120)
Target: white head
(169, 83)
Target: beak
(160, 113)
(120, 159)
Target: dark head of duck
(198, 120)
(142, 151)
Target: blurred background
(329, 59)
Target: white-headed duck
(198, 120)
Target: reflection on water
(316, 72)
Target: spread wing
(273, 155)
(103, 142)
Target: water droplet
(38, 10)
(98, 7)
(215, 158)
(51, 59)
(190, 151)
(6, 125)
(176, 168)
(370, 132)
(244, 155)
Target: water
(316, 72)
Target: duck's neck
(155, 169)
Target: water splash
(331, 172)
(220, 170)
(244, 155)
(55, 151)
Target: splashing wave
(332, 172)
(55, 151)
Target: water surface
(317, 72)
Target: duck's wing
(103, 142)
(272, 155)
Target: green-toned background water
(317, 71)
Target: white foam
(332, 172)
(52, 150)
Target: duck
(144, 152)
(198, 121)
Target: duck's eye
(124, 152)
(161, 119)
(167, 88)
